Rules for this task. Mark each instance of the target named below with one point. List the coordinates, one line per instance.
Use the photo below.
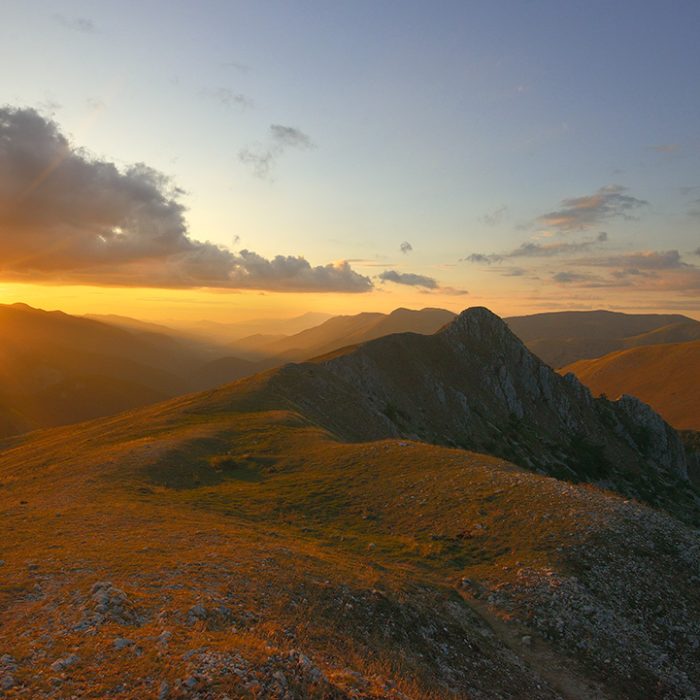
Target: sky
(226, 160)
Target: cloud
(229, 98)
(68, 218)
(641, 260)
(580, 213)
(405, 247)
(569, 277)
(236, 65)
(495, 217)
(263, 157)
(408, 278)
(294, 274)
(696, 251)
(482, 259)
(533, 249)
(76, 24)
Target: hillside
(231, 543)
(666, 377)
(56, 368)
(563, 337)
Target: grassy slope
(665, 376)
(394, 566)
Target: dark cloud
(409, 278)
(65, 217)
(580, 213)
(532, 249)
(405, 247)
(696, 251)
(76, 24)
(263, 157)
(495, 217)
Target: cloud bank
(68, 218)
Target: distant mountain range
(563, 337)
(342, 331)
(60, 369)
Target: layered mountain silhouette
(296, 534)
(259, 352)
(666, 376)
(341, 331)
(560, 338)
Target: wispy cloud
(533, 249)
(569, 277)
(236, 65)
(76, 24)
(228, 98)
(578, 213)
(68, 218)
(263, 157)
(495, 217)
(642, 260)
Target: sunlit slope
(560, 338)
(665, 376)
(252, 552)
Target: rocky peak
(475, 385)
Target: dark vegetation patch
(204, 462)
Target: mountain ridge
(236, 542)
(475, 385)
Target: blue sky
(338, 131)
